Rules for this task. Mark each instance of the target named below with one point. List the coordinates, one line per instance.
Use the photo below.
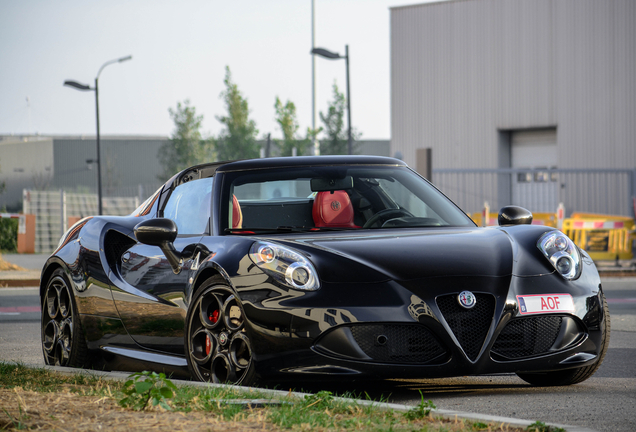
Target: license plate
(545, 303)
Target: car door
(151, 296)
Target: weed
(230, 411)
(17, 423)
(144, 388)
(542, 427)
(422, 410)
(320, 401)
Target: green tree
(238, 139)
(2, 185)
(310, 136)
(186, 146)
(336, 140)
(286, 118)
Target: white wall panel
(463, 70)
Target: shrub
(8, 234)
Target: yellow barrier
(603, 237)
(547, 219)
(581, 215)
(478, 218)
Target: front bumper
(416, 329)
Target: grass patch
(39, 399)
(542, 427)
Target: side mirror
(514, 215)
(162, 233)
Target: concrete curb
(19, 283)
(19, 278)
(442, 413)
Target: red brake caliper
(208, 343)
(215, 316)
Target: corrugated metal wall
(25, 162)
(127, 162)
(461, 71)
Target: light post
(335, 56)
(314, 143)
(84, 87)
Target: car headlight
(287, 266)
(562, 253)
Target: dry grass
(70, 411)
(5, 265)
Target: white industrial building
(530, 102)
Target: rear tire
(217, 347)
(63, 340)
(576, 375)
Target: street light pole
(99, 153)
(98, 161)
(349, 139)
(335, 56)
(316, 146)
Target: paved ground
(27, 261)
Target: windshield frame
(411, 180)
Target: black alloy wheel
(218, 348)
(63, 342)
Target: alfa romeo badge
(467, 299)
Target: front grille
(398, 343)
(470, 326)
(526, 337)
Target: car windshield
(336, 197)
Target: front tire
(576, 375)
(63, 341)
(217, 346)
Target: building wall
(25, 162)
(464, 71)
(374, 147)
(127, 163)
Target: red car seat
(237, 214)
(333, 209)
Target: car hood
(404, 255)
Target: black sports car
(320, 267)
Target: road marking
(19, 309)
(621, 300)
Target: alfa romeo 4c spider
(331, 268)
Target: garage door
(535, 149)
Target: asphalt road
(605, 402)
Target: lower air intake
(398, 343)
(526, 337)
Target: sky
(179, 52)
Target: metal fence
(603, 191)
(52, 210)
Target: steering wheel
(385, 215)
